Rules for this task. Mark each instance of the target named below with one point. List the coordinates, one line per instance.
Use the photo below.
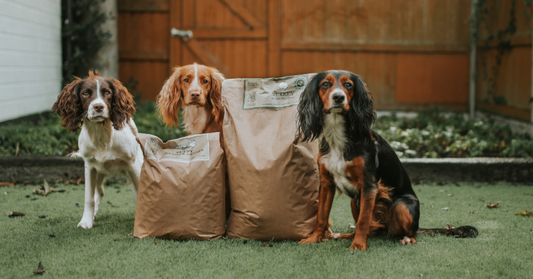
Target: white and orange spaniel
(107, 141)
(196, 89)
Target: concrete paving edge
(419, 169)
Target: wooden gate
(230, 35)
(413, 54)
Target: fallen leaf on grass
(8, 184)
(42, 216)
(14, 214)
(45, 190)
(266, 244)
(40, 269)
(474, 212)
(112, 204)
(492, 205)
(524, 213)
(449, 195)
(155, 243)
(445, 208)
(71, 181)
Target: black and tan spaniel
(337, 109)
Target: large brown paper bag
(181, 190)
(273, 177)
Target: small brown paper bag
(273, 177)
(181, 190)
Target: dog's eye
(205, 81)
(107, 92)
(348, 85)
(326, 85)
(186, 80)
(85, 93)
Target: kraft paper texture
(273, 178)
(181, 190)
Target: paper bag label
(273, 93)
(186, 150)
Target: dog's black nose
(338, 98)
(195, 94)
(98, 107)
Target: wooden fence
(412, 54)
(504, 64)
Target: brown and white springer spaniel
(107, 141)
(196, 89)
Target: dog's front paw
(358, 245)
(408, 240)
(86, 224)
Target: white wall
(30, 56)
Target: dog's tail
(460, 232)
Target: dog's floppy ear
(361, 111)
(169, 100)
(68, 105)
(215, 95)
(122, 104)
(310, 116)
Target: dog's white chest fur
(195, 119)
(334, 162)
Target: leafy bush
(48, 138)
(82, 36)
(433, 135)
(429, 135)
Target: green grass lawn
(504, 247)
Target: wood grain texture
(510, 91)
(143, 33)
(143, 5)
(430, 22)
(512, 80)
(413, 54)
(274, 38)
(436, 78)
(149, 75)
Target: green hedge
(48, 138)
(433, 135)
(429, 135)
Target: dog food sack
(273, 177)
(181, 190)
